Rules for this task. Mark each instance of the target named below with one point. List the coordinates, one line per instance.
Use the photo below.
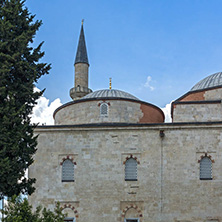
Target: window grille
(104, 109)
(206, 169)
(67, 171)
(131, 170)
(70, 219)
(131, 220)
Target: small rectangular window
(212, 220)
(131, 220)
(70, 219)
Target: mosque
(110, 156)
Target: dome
(214, 80)
(109, 93)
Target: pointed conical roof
(81, 54)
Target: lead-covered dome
(212, 81)
(109, 93)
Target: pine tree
(20, 69)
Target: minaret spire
(81, 69)
(81, 54)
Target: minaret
(81, 69)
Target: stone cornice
(130, 126)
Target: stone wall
(81, 74)
(119, 111)
(168, 187)
(203, 106)
(89, 112)
(197, 112)
(213, 94)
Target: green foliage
(19, 210)
(19, 71)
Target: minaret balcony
(79, 91)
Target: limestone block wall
(89, 112)
(204, 106)
(119, 111)
(81, 75)
(185, 197)
(197, 112)
(213, 94)
(168, 186)
(99, 188)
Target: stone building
(110, 156)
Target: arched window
(67, 171)
(70, 212)
(205, 169)
(104, 109)
(131, 215)
(131, 170)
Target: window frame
(107, 109)
(131, 179)
(70, 219)
(131, 219)
(68, 180)
(206, 178)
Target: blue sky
(173, 43)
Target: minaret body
(81, 70)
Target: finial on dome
(82, 21)
(110, 83)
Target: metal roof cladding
(109, 93)
(212, 81)
(81, 54)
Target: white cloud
(147, 84)
(43, 111)
(167, 113)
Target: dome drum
(124, 109)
